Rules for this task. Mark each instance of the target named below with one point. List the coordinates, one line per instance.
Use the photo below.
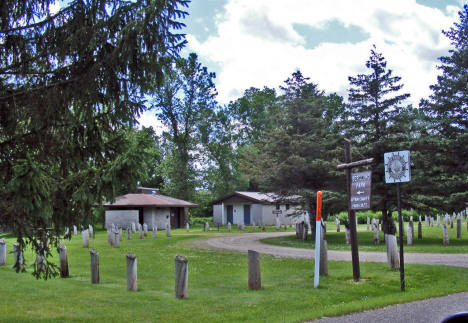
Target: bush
(199, 221)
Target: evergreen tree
(71, 84)
(444, 147)
(300, 154)
(375, 123)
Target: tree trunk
(63, 258)
(94, 266)
(132, 272)
(458, 227)
(181, 277)
(393, 259)
(18, 256)
(255, 280)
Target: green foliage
(196, 221)
(71, 86)
(443, 145)
(182, 102)
(202, 198)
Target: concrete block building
(149, 206)
(261, 208)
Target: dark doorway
(229, 214)
(141, 216)
(176, 214)
(246, 214)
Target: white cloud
(255, 43)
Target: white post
(278, 223)
(318, 231)
(187, 226)
(229, 226)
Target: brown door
(175, 217)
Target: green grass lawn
(217, 286)
(431, 240)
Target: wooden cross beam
(351, 214)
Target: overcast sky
(262, 42)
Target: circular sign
(396, 167)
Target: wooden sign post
(397, 170)
(351, 213)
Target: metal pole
(351, 216)
(400, 222)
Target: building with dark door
(147, 205)
(261, 208)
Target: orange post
(319, 206)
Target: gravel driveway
(244, 242)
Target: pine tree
(71, 84)
(446, 141)
(374, 123)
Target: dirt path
(244, 242)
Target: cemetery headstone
(181, 276)
(445, 236)
(229, 226)
(2, 252)
(94, 261)
(75, 230)
(409, 235)
(375, 227)
(254, 228)
(91, 231)
(255, 280)
(40, 263)
(116, 240)
(132, 272)
(337, 221)
(133, 228)
(63, 259)
(278, 223)
(393, 259)
(348, 239)
(145, 229)
(187, 226)
(459, 227)
(168, 230)
(368, 223)
(155, 230)
(419, 229)
(438, 220)
(128, 233)
(85, 238)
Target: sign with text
(277, 212)
(361, 190)
(397, 166)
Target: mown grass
(431, 240)
(217, 286)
